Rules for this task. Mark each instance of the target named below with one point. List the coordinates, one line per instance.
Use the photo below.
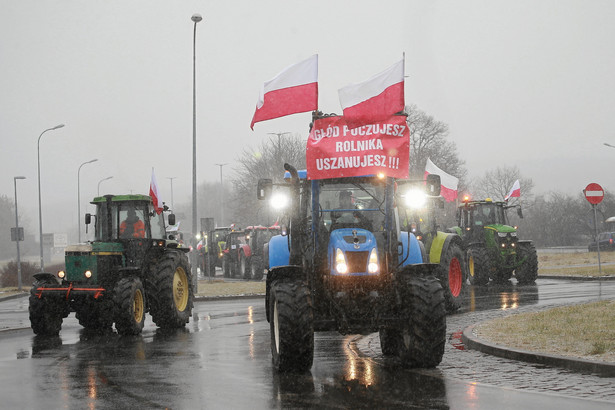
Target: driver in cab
(132, 226)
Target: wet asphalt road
(222, 359)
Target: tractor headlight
(88, 274)
(372, 265)
(415, 199)
(340, 261)
(279, 200)
(61, 274)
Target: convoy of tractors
(351, 254)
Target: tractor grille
(357, 261)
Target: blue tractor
(342, 263)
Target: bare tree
(265, 162)
(496, 184)
(428, 139)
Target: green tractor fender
(440, 244)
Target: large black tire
(479, 266)
(46, 313)
(256, 268)
(423, 329)
(226, 266)
(244, 267)
(291, 322)
(129, 306)
(452, 275)
(389, 341)
(527, 273)
(170, 291)
(96, 315)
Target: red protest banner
(335, 151)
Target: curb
(15, 296)
(588, 278)
(578, 365)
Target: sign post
(594, 195)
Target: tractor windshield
(348, 204)
(488, 214)
(121, 220)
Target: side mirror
(88, 219)
(171, 219)
(433, 185)
(265, 186)
(519, 212)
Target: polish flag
(448, 182)
(515, 191)
(375, 99)
(153, 192)
(292, 91)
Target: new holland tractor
(443, 248)
(493, 249)
(342, 263)
(130, 268)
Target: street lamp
(609, 145)
(279, 134)
(171, 179)
(40, 212)
(104, 179)
(17, 236)
(196, 18)
(79, 198)
(221, 195)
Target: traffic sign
(594, 193)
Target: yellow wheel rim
(180, 289)
(471, 266)
(138, 306)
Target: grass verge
(583, 331)
(218, 287)
(576, 264)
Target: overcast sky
(520, 83)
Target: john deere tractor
(342, 263)
(493, 250)
(130, 268)
(443, 248)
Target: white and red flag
(515, 191)
(376, 99)
(448, 183)
(293, 90)
(155, 194)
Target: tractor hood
(501, 228)
(356, 245)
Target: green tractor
(493, 250)
(130, 268)
(442, 248)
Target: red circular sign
(594, 193)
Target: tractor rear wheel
(478, 266)
(129, 301)
(226, 266)
(170, 290)
(244, 270)
(452, 277)
(291, 322)
(423, 329)
(256, 268)
(528, 272)
(46, 313)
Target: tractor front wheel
(256, 268)
(129, 298)
(478, 266)
(528, 272)
(46, 313)
(423, 329)
(96, 314)
(390, 340)
(291, 321)
(170, 290)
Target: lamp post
(196, 18)
(221, 195)
(79, 197)
(17, 233)
(40, 212)
(279, 134)
(609, 145)
(171, 179)
(104, 179)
